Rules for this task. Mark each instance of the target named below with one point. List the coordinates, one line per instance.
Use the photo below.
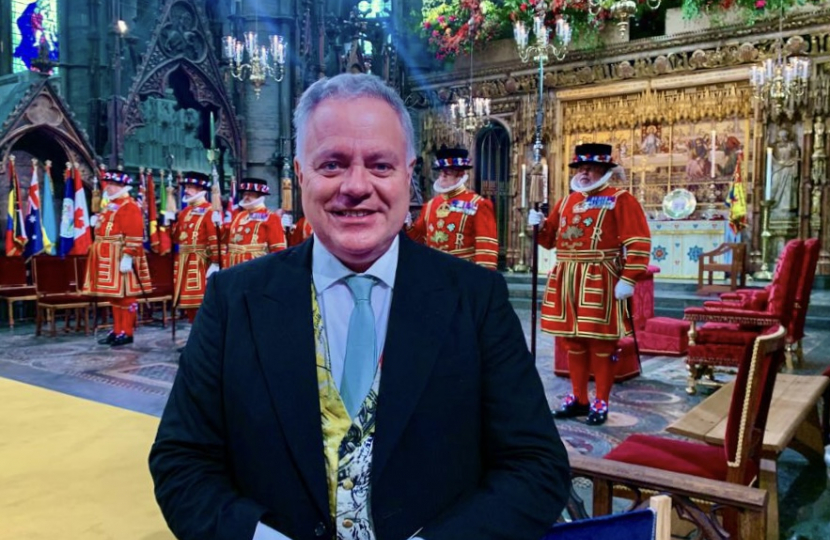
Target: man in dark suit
(357, 386)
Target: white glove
(535, 217)
(216, 217)
(287, 220)
(93, 221)
(408, 220)
(169, 217)
(126, 264)
(623, 290)
(212, 269)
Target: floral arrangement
(455, 26)
(752, 9)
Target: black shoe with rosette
(598, 414)
(571, 408)
(122, 339)
(107, 340)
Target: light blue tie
(361, 346)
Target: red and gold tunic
(300, 231)
(196, 236)
(253, 233)
(461, 223)
(119, 232)
(600, 238)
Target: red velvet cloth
(795, 331)
(664, 335)
(693, 458)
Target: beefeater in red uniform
(195, 232)
(254, 231)
(603, 246)
(116, 259)
(457, 220)
(299, 232)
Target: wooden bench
(793, 422)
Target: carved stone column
(758, 192)
(820, 222)
(805, 188)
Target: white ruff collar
(194, 198)
(461, 182)
(593, 187)
(259, 201)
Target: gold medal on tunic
(443, 210)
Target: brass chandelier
(254, 62)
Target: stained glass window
(34, 33)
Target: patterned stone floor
(138, 377)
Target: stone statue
(785, 176)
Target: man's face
(111, 188)
(449, 177)
(249, 196)
(588, 173)
(354, 178)
(191, 190)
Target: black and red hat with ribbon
(595, 153)
(257, 185)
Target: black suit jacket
(465, 446)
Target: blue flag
(47, 212)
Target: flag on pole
(165, 242)
(152, 214)
(75, 237)
(38, 241)
(83, 233)
(15, 228)
(47, 210)
(736, 199)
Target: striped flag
(15, 228)
(38, 241)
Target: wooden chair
(57, 290)
(14, 286)
(738, 460)
(713, 261)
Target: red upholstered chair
(738, 459)
(13, 284)
(161, 276)
(57, 290)
(729, 328)
(795, 330)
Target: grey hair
(351, 86)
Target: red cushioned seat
(664, 335)
(697, 459)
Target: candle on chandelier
(712, 151)
(768, 184)
(524, 185)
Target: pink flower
(760, 4)
(441, 19)
(435, 33)
(452, 18)
(523, 7)
(427, 25)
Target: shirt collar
(326, 269)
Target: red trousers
(123, 315)
(586, 355)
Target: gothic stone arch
(181, 39)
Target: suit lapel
(284, 338)
(419, 322)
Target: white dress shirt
(336, 304)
